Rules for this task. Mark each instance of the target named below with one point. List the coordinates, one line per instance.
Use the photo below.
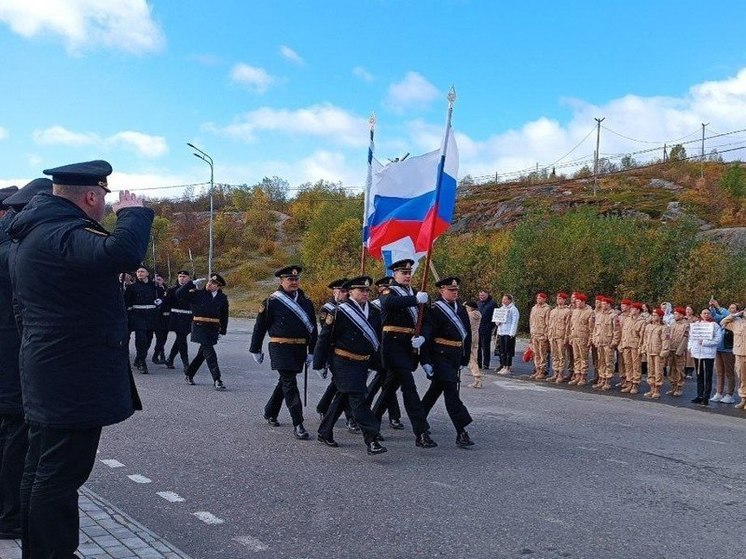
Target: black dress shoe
(379, 438)
(463, 440)
(144, 369)
(352, 426)
(219, 385)
(697, 400)
(396, 424)
(424, 441)
(272, 421)
(375, 448)
(300, 433)
(169, 364)
(327, 441)
(188, 380)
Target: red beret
(626, 301)
(636, 305)
(541, 294)
(581, 296)
(680, 310)
(609, 300)
(659, 312)
(563, 295)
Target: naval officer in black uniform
(143, 299)
(290, 319)
(179, 321)
(399, 317)
(209, 322)
(349, 342)
(447, 349)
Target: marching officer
(179, 321)
(209, 322)
(399, 318)
(143, 299)
(380, 375)
(447, 349)
(161, 323)
(290, 319)
(349, 342)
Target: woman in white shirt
(506, 331)
(703, 352)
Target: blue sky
(286, 88)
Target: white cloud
(290, 54)
(414, 91)
(124, 24)
(60, 136)
(317, 120)
(362, 74)
(256, 79)
(144, 144)
(206, 59)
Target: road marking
(252, 543)
(520, 385)
(441, 484)
(587, 448)
(617, 461)
(171, 497)
(712, 441)
(113, 463)
(137, 478)
(207, 517)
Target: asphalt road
(554, 473)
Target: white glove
(422, 297)
(417, 341)
(322, 373)
(428, 370)
(258, 357)
(309, 359)
(200, 283)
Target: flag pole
(438, 185)
(366, 197)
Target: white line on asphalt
(620, 424)
(113, 463)
(617, 461)
(137, 478)
(441, 484)
(520, 385)
(207, 517)
(252, 543)
(712, 441)
(171, 497)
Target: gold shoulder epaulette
(96, 231)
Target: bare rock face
(732, 237)
(674, 212)
(666, 185)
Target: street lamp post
(207, 159)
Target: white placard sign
(500, 315)
(702, 331)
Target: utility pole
(595, 159)
(702, 155)
(665, 153)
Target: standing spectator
(667, 309)
(606, 334)
(506, 332)
(645, 315)
(630, 347)
(656, 344)
(725, 363)
(691, 317)
(538, 323)
(736, 324)
(475, 320)
(581, 328)
(677, 357)
(486, 306)
(74, 365)
(558, 332)
(703, 352)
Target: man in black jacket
(74, 363)
(290, 319)
(448, 348)
(179, 321)
(143, 299)
(209, 322)
(486, 307)
(13, 429)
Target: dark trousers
(376, 384)
(484, 353)
(58, 463)
(365, 419)
(326, 399)
(506, 350)
(181, 347)
(454, 406)
(13, 445)
(287, 390)
(704, 377)
(143, 339)
(402, 378)
(160, 341)
(205, 353)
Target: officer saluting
(448, 348)
(209, 322)
(290, 319)
(399, 317)
(349, 342)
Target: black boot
(169, 364)
(374, 447)
(463, 440)
(301, 433)
(424, 441)
(396, 424)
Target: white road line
(617, 461)
(113, 463)
(713, 441)
(252, 543)
(207, 517)
(520, 385)
(171, 497)
(137, 478)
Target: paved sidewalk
(107, 533)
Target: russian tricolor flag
(402, 204)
